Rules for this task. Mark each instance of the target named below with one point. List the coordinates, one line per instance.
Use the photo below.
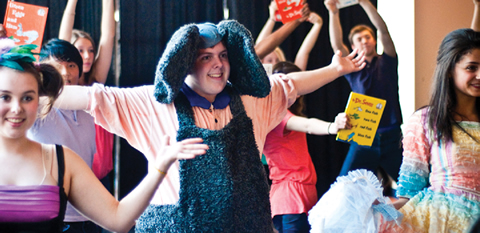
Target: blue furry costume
(225, 190)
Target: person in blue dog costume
(210, 84)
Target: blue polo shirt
(221, 100)
(379, 79)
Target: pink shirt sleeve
(134, 114)
(266, 113)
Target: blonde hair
(279, 52)
(77, 34)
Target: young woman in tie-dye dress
(439, 183)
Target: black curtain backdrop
(146, 27)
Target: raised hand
(331, 6)
(341, 122)
(272, 8)
(350, 63)
(315, 18)
(3, 33)
(305, 13)
(186, 149)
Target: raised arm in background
(103, 58)
(267, 45)
(476, 16)
(68, 19)
(301, 60)
(270, 24)
(336, 33)
(383, 34)
(89, 196)
(335, 28)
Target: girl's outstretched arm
(88, 195)
(316, 126)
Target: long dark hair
(286, 67)
(444, 100)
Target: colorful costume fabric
(348, 206)
(292, 172)
(441, 180)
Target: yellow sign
(365, 113)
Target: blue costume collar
(221, 100)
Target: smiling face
(364, 41)
(466, 75)
(87, 51)
(18, 102)
(210, 73)
(68, 69)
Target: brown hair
(357, 29)
(443, 100)
(50, 82)
(286, 67)
(77, 34)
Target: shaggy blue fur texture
(247, 74)
(224, 190)
(177, 59)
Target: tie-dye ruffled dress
(442, 180)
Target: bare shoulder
(72, 159)
(75, 168)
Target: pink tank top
(29, 203)
(33, 203)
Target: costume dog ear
(175, 63)
(247, 74)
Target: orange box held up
(289, 10)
